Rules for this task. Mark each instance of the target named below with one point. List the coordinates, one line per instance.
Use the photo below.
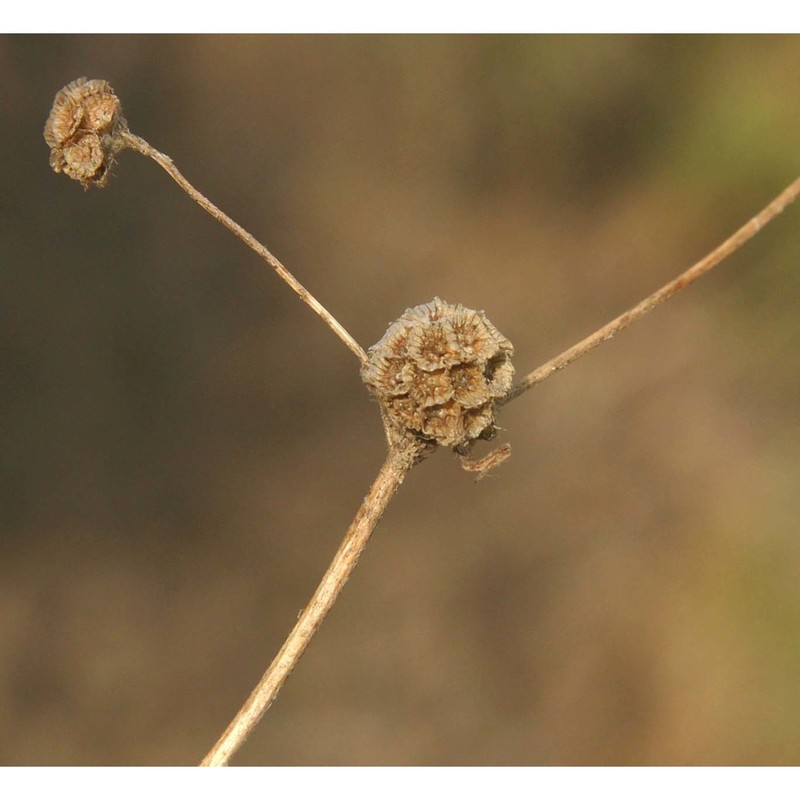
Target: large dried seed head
(437, 373)
(84, 131)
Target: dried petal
(499, 373)
(431, 347)
(475, 335)
(444, 423)
(394, 374)
(479, 423)
(469, 385)
(431, 388)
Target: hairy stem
(608, 331)
(141, 146)
(391, 475)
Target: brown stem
(141, 146)
(733, 243)
(402, 456)
(391, 475)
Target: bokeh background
(184, 443)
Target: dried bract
(437, 373)
(84, 131)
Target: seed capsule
(83, 131)
(437, 373)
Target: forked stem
(138, 144)
(608, 331)
(85, 130)
(391, 475)
(404, 454)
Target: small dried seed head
(437, 373)
(84, 131)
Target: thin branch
(730, 245)
(141, 146)
(391, 475)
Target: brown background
(184, 443)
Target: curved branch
(608, 331)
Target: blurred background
(183, 443)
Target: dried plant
(84, 131)
(440, 373)
(437, 373)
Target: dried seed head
(437, 373)
(84, 131)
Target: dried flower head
(437, 373)
(84, 131)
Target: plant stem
(141, 146)
(398, 462)
(608, 331)
(404, 454)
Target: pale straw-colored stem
(747, 231)
(391, 475)
(403, 455)
(141, 146)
